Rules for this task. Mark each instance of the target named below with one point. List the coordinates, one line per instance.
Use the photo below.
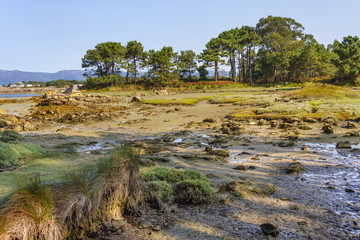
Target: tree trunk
(216, 71)
(127, 75)
(135, 70)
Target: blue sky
(53, 35)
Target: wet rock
(220, 140)
(231, 128)
(270, 229)
(220, 152)
(349, 190)
(328, 129)
(156, 228)
(295, 168)
(286, 144)
(208, 149)
(304, 148)
(214, 158)
(345, 144)
(240, 167)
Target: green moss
(169, 175)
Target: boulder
(345, 144)
(136, 99)
(310, 120)
(351, 125)
(328, 129)
(209, 120)
(270, 229)
(295, 168)
(240, 167)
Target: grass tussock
(113, 189)
(29, 212)
(322, 92)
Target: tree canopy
(275, 50)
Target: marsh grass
(323, 92)
(13, 154)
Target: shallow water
(18, 95)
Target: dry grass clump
(29, 212)
(105, 194)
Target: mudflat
(271, 157)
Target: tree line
(276, 50)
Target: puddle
(96, 146)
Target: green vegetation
(188, 187)
(276, 50)
(323, 92)
(193, 192)
(182, 101)
(60, 83)
(10, 136)
(74, 206)
(13, 154)
(162, 190)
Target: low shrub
(170, 175)
(10, 136)
(193, 192)
(189, 186)
(162, 190)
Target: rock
(212, 175)
(351, 125)
(220, 152)
(352, 134)
(240, 167)
(243, 188)
(274, 124)
(328, 129)
(304, 148)
(136, 99)
(208, 149)
(292, 120)
(231, 128)
(305, 127)
(160, 159)
(209, 120)
(223, 198)
(269, 229)
(286, 144)
(349, 190)
(310, 120)
(295, 168)
(156, 228)
(345, 144)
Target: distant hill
(15, 76)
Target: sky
(53, 35)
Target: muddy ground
(321, 203)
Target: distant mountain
(15, 76)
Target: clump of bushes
(184, 187)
